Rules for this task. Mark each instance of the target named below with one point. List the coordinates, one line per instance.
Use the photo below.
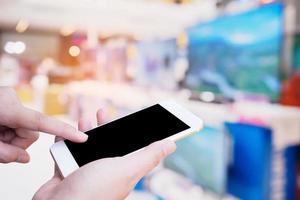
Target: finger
(56, 172)
(84, 124)
(9, 153)
(24, 138)
(57, 139)
(142, 162)
(36, 121)
(99, 117)
(7, 135)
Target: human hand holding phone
(131, 133)
(108, 178)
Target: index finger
(36, 121)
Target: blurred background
(234, 63)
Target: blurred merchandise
(203, 158)
(39, 84)
(291, 90)
(156, 61)
(232, 62)
(296, 52)
(9, 71)
(238, 53)
(96, 94)
(284, 121)
(53, 104)
(210, 97)
(170, 185)
(249, 174)
(142, 195)
(60, 75)
(292, 164)
(25, 93)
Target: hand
(109, 178)
(19, 128)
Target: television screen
(203, 158)
(292, 164)
(249, 173)
(296, 52)
(155, 60)
(237, 54)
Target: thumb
(142, 162)
(9, 153)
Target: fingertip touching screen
(127, 134)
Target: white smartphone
(166, 120)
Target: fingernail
(83, 135)
(169, 147)
(23, 158)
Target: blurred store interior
(234, 63)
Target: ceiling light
(22, 26)
(20, 47)
(14, 47)
(9, 47)
(74, 51)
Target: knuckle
(156, 160)
(35, 136)
(158, 156)
(8, 157)
(39, 120)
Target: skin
(109, 178)
(19, 127)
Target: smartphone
(166, 120)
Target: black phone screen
(127, 134)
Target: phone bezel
(67, 164)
